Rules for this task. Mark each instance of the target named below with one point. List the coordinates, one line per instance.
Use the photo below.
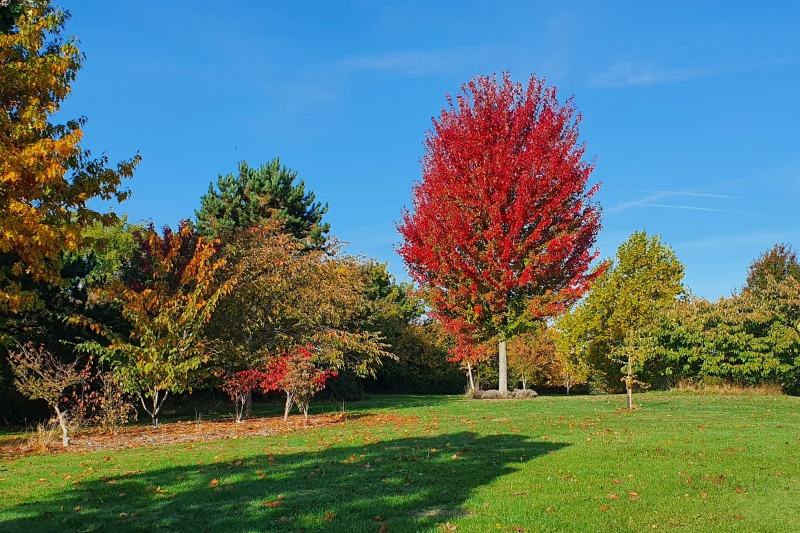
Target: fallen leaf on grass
(384, 528)
(271, 504)
(520, 494)
(633, 495)
(740, 490)
(605, 507)
(328, 516)
(704, 495)
(613, 497)
(519, 529)
(213, 483)
(378, 518)
(448, 527)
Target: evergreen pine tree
(255, 194)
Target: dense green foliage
(255, 194)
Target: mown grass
(682, 462)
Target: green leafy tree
(255, 194)
(608, 326)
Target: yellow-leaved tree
(46, 178)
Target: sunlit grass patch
(683, 462)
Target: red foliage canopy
(502, 224)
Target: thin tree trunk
(156, 406)
(524, 382)
(248, 404)
(289, 402)
(471, 381)
(503, 368)
(629, 384)
(63, 423)
(566, 384)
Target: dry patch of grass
(48, 439)
(726, 389)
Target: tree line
(253, 293)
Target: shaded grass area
(682, 462)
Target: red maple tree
(503, 226)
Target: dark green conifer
(255, 194)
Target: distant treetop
(779, 262)
(256, 194)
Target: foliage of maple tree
(168, 296)
(256, 195)
(503, 226)
(566, 369)
(40, 375)
(239, 385)
(531, 356)
(46, 178)
(301, 379)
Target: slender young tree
(608, 327)
(502, 227)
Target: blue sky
(691, 108)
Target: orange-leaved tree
(168, 293)
(46, 178)
(532, 356)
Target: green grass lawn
(682, 462)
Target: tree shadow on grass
(408, 484)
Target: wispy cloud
(695, 208)
(417, 62)
(633, 74)
(655, 198)
(675, 193)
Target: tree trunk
(524, 382)
(471, 381)
(629, 384)
(156, 406)
(62, 421)
(289, 402)
(503, 369)
(567, 384)
(248, 404)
